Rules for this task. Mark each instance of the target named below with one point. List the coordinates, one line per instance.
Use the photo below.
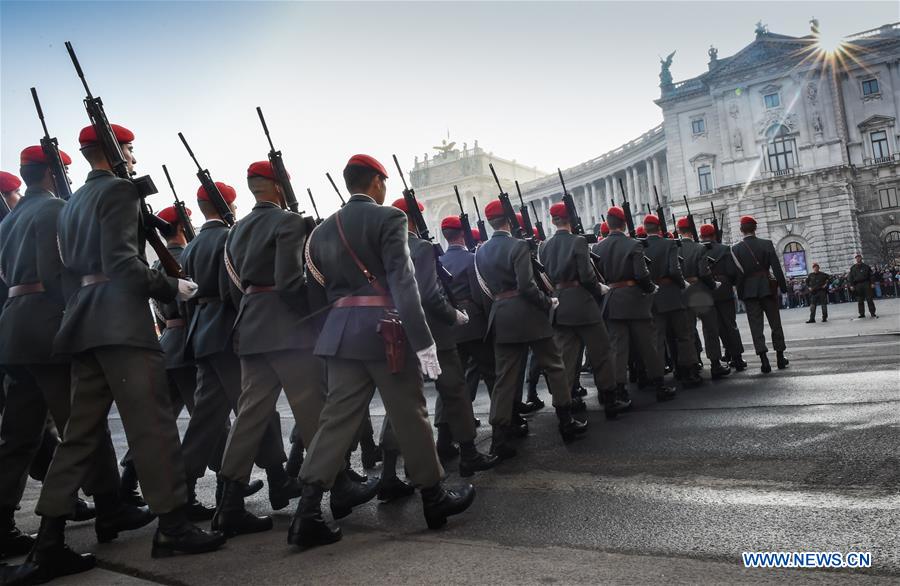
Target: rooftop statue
(665, 76)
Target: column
(609, 193)
(656, 178)
(629, 183)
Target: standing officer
(758, 289)
(360, 256)
(670, 315)
(724, 271)
(817, 282)
(860, 277)
(101, 241)
(579, 320)
(521, 320)
(9, 190)
(629, 307)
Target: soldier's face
(12, 197)
(380, 189)
(128, 153)
(858, 259)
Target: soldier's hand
(604, 288)
(462, 318)
(187, 289)
(655, 289)
(718, 284)
(428, 360)
(554, 303)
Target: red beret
(170, 214)
(493, 210)
(651, 219)
(707, 231)
(616, 212)
(88, 136)
(451, 223)
(604, 228)
(558, 210)
(9, 182)
(748, 220)
(263, 169)
(367, 161)
(476, 234)
(683, 223)
(35, 154)
(400, 204)
(227, 191)
(640, 232)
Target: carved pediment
(876, 121)
(775, 117)
(702, 157)
(770, 89)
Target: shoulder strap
(756, 260)
(372, 279)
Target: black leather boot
(446, 449)
(251, 488)
(346, 494)
(295, 459)
(738, 364)
(472, 461)
(718, 370)
(663, 392)
(579, 391)
(84, 511)
(177, 535)
(232, 518)
(391, 488)
(115, 516)
(764, 365)
(439, 503)
(197, 511)
(569, 428)
(51, 557)
(534, 402)
(12, 541)
(129, 487)
(578, 405)
(500, 444)
(370, 454)
(308, 528)
(611, 405)
(519, 426)
(623, 397)
(690, 377)
(282, 488)
(781, 361)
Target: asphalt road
(804, 459)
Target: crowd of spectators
(886, 283)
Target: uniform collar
(501, 234)
(456, 247)
(362, 197)
(97, 173)
(36, 193)
(266, 204)
(213, 224)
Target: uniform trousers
(135, 378)
(477, 357)
(218, 394)
(453, 406)
(640, 335)
(816, 299)
(574, 340)
(726, 312)
(710, 323)
(511, 362)
(676, 324)
(351, 385)
(863, 292)
(302, 376)
(755, 309)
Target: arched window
(794, 259)
(893, 237)
(780, 150)
(795, 246)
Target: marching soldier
(274, 340)
(579, 320)
(376, 322)
(860, 278)
(521, 319)
(724, 271)
(9, 189)
(817, 281)
(758, 289)
(670, 315)
(629, 305)
(101, 242)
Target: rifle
(464, 220)
(659, 213)
(181, 210)
(281, 173)
(538, 224)
(526, 218)
(690, 218)
(338, 191)
(626, 207)
(715, 223)
(482, 230)
(572, 211)
(315, 209)
(212, 190)
(119, 166)
(50, 146)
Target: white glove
(187, 289)
(428, 360)
(554, 303)
(462, 318)
(655, 289)
(604, 288)
(718, 284)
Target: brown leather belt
(206, 300)
(365, 301)
(506, 295)
(174, 323)
(254, 289)
(620, 284)
(566, 285)
(26, 289)
(94, 279)
(692, 279)
(664, 281)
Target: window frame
(781, 148)
(892, 200)
(766, 97)
(791, 245)
(710, 186)
(884, 148)
(870, 80)
(701, 120)
(787, 210)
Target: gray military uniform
(725, 271)
(755, 257)
(699, 295)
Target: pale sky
(549, 84)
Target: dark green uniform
(755, 258)
(817, 281)
(699, 295)
(725, 271)
(860, 278)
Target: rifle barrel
(313, 201)
(40, 111)
(338, 191)
(78, 69)
(400, 172)
(190, 152)
(265, 127)
(169, 179)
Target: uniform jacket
(466, 292)
(101, 231)
(504, 264)
(818, 284)
(755, 257)
(171, 340)
(378, 236)
(663, 255)
(859, 273)
(29, 254)
(211, 314)
(695, 266)
(266, 249)
(723, 270)
(622, 259)
(566, 258)
(439, 313)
